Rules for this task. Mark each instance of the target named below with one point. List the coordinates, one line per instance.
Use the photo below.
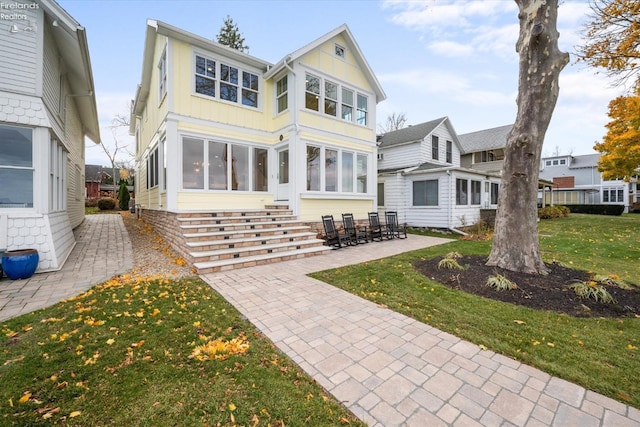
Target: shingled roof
(409, 134)
(487, 139)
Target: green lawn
(600, 354)
(123, 354)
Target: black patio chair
(394, 229)
(332, 236)
(355, 236)
(376, 229)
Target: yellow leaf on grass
(519, 322)
(550, 344)
(482, 347)
(75, 414)
(110, 341)
(232, 407)
(25, 397)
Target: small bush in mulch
(551, 292)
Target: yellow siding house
(219, 130)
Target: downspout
(293, 154)
(450, 207)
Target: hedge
(597, 209)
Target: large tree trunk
(515, 242)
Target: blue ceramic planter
(20, 264)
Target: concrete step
(249, 251)
(239, 234)
(251, 240)
(205, 221)
(221, 265)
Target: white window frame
(413, 201)
(284, 94)
(359, 110)
(340, 51)
(30, 168)
(162, 75)
(341, 177)
(218, 80)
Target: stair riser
(235, 220)
(255, 263)
(220, 244)
(235, 228)
(256, 250)
(240, 214)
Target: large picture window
(228, 167)
(333, 170)
(16, 167)
(425, 193)
(462, 193)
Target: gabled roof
(352, 46)
(71, 39)
(487, 139)
(414, 133)
(158, 27)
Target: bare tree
(394, 121)
(119, 121)
(515, 244)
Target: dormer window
(339, 51)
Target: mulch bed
(538, 292)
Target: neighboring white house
(577, 181)
(47, 107)
(420, 175)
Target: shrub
(106, 204)
(597, 209)
(123, 196)
(501, 283)
(592, 290)
(551, 212)
(90, 203)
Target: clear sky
(452, 58)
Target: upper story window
(488, 156)
(449, 152)
(435, 147)
(335, 95)
(224, 81)
(312, 93)
(340, 51)
(162, 75)
(330, 98)
(347, 105)
(282, 102)
(363, 108)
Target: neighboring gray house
(420, 175)
(577, 181)
(47, 107)
(484, 150)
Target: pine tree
(123, 195)
(231, 36)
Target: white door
(282, 192)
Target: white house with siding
(421, 177)
(47, 107)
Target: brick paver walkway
(391, 370)
(102, 250)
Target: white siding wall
(400, 156)
(74, 143)
(19, 51)
(428, 216)
(443, 134)
(395, 196)
(52, 69)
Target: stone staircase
(225, 240)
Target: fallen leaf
(75, 414)
(519, 322)
(110, 341)
(482, 347)
(25, 397)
